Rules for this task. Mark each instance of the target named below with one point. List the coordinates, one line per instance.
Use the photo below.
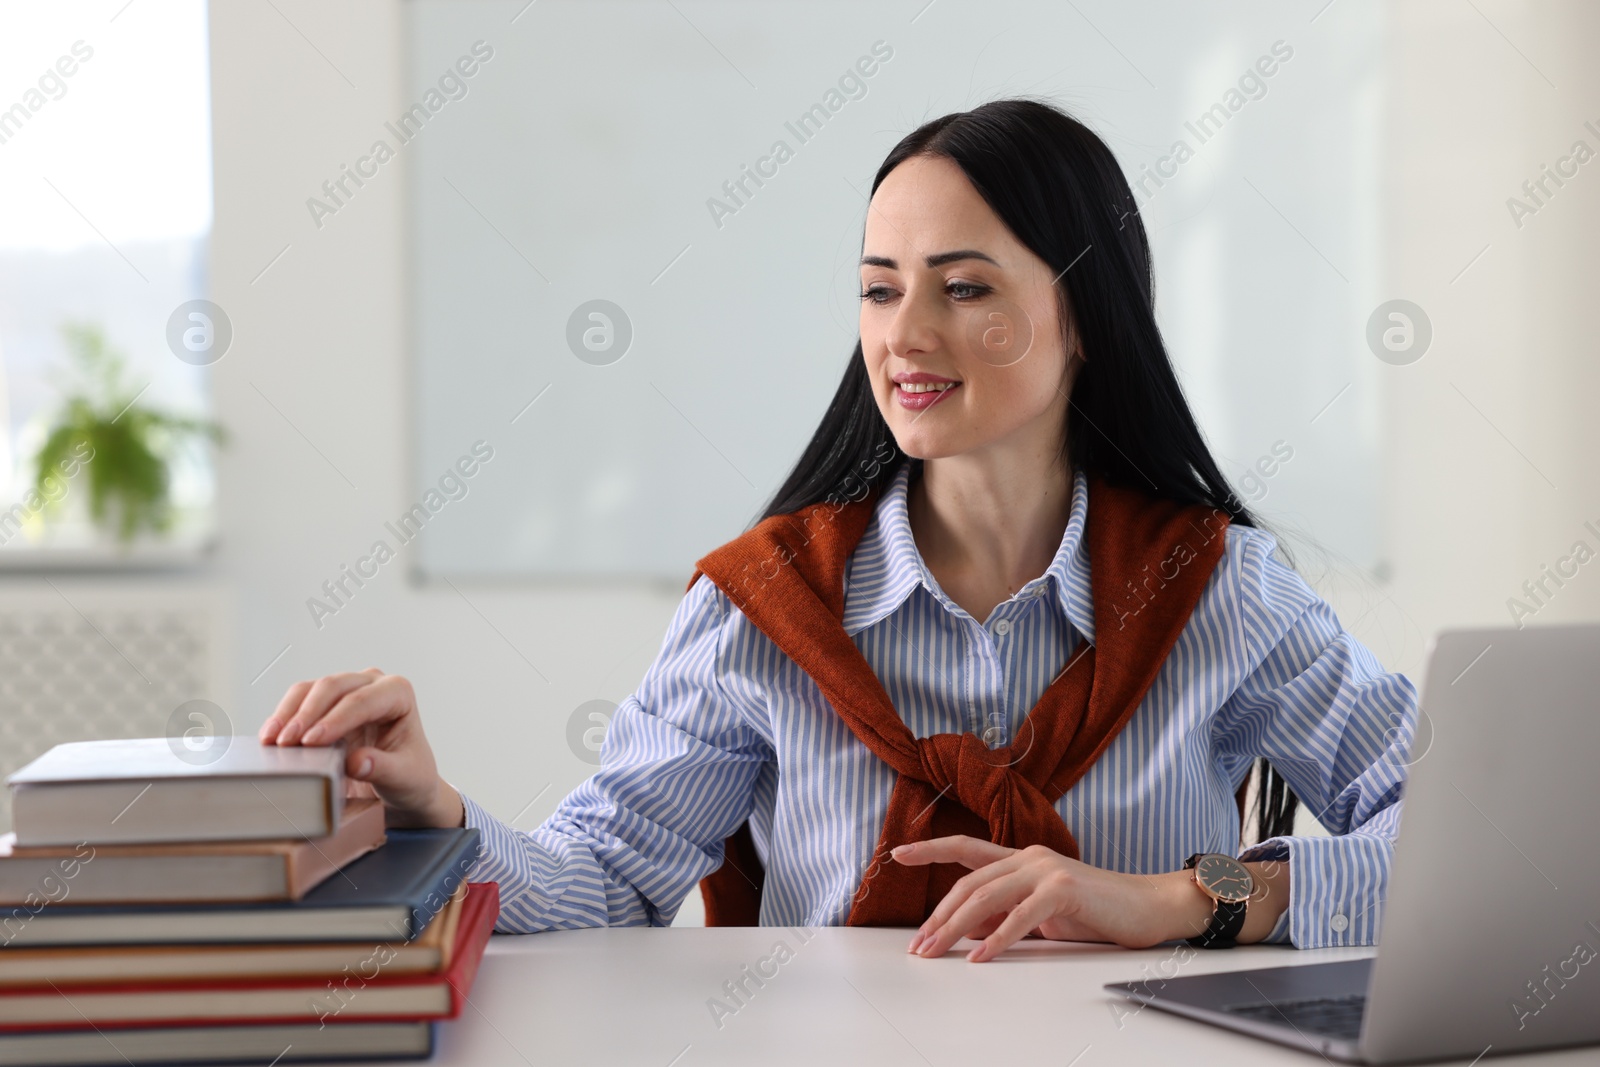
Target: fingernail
(900, 850)
(915, 941)
(365, 768)
(312, 736)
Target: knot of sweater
(981, 779)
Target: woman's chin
(919, 443)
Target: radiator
(82, 659)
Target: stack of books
(154, 910)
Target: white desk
(847, 996)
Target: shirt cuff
(1336, 888)
(498, 854)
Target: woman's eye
(959, 291)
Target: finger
(977, 933)
(1027, 916)
(965, 886)
(988, 900)
(985, 928)
(281, 714)
(982, 910)
(292, 701)
(381, 701)
(968, 851)
(325, 692)
(375, 767)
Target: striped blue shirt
(725, 727)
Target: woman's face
(959, 321)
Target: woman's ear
(1071, 342)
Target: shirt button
(1339, 923)
(994, 736)
(1002, 628)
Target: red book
(363, 994)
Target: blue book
(389, 894)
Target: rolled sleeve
(550, 889)
(677, 776)
(1338, 728)
(1336, 885)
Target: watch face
(1224, 877)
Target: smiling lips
(920, 391)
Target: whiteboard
(584, 159)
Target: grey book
(201, 1045)
(146, 790)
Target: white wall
(314, 391)
(1470, 512)
(315, 388)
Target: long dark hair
(1060, 190)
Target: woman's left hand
(1014, 892)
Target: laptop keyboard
(1328, 1016)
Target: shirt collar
(887, 568)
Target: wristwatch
(1228, 882)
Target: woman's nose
(914, 327)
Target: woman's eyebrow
(937, 260)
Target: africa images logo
(337, 192)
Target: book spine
(464, 968)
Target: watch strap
(1223, 930)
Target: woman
(1004, 648)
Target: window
(105, 178)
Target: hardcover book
(151, 964)
(207, 1045)
(365, 994)
(142, 790)
(188, 871)
(389, 894)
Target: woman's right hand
(376, 715)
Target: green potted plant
(123, 448)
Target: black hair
(1059, 189)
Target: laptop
(1490, 936)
